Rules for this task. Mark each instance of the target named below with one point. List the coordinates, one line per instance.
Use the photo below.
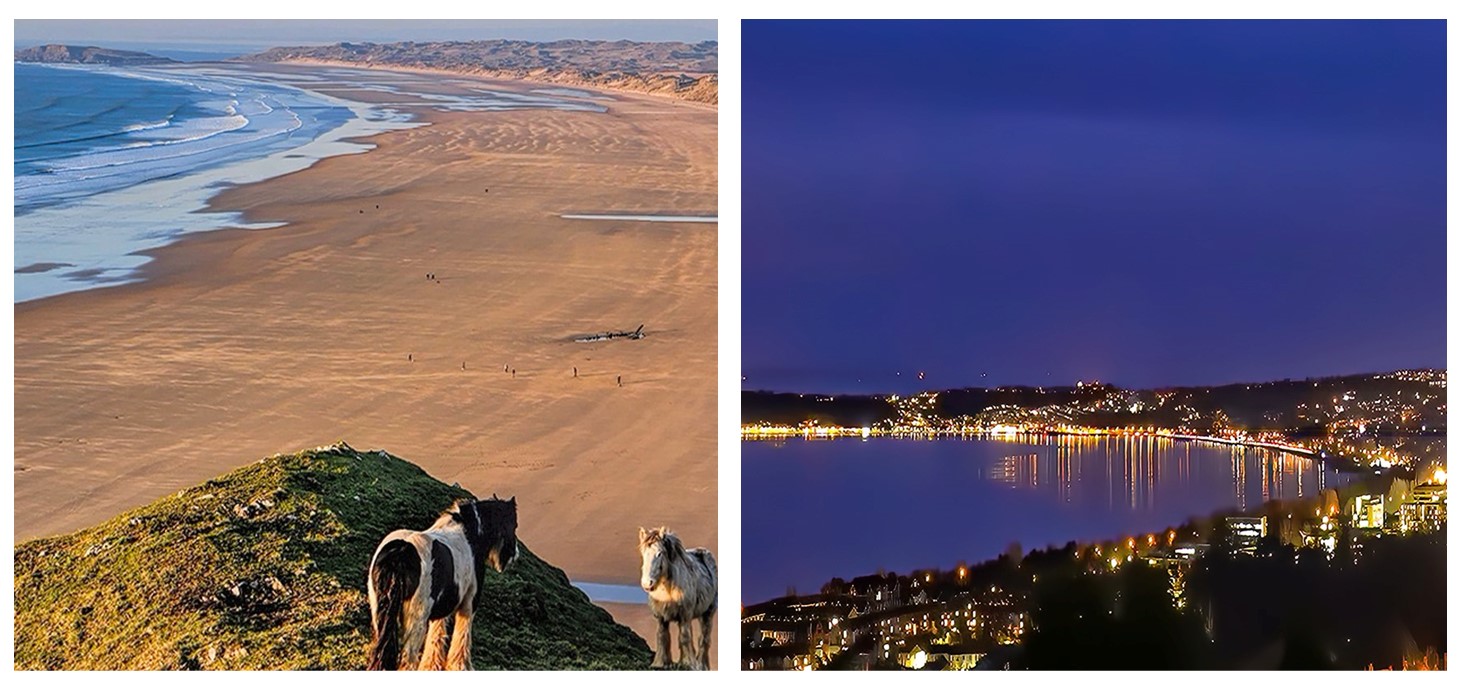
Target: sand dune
(246, 343)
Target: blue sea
(113, 161)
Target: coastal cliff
(687, 71)
(264, 568)
(87, 55)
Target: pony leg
(459, 658)
(413, 637)
(706, 625)
(661, 645)
(687, 643)
(434, 658)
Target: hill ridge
(264, 568)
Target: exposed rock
(87, 55)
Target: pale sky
(202, 34)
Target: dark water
(813, 510)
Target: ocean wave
(41, 106)
(58, 142)
(144, 126)
(91, 136)
(54, 124)
(127, 155)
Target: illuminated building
(880, 592)
(1243, 533)
(1368, 512)
(943, 657)
(1425, 509)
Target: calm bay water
(813, 510)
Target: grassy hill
(264, 568)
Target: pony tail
(394, 577)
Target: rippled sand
(245, 343)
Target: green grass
(264, 568)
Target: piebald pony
(423, 585)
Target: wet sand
(638, 618)
(244, 343)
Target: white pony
(423, 584)
(682, 588)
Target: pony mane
(673, 547)
(453, 513)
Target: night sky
(1141, 203)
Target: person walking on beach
(411, 357)
(463, 365)
(514, 373)
(575, 372)
(620, 381)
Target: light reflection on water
(814, 510)
(1134, 471)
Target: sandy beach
(245, 343)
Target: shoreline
(230, 259)
(755, 433)
(209, 182)
(488, 77)
(828, 433)
(185, 199)
(230, 218)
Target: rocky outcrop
(87, 55)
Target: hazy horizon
(908, 383)
(257, 34)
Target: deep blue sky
(1144, 203)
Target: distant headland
(57, 53)
(684, 71)
(687, 71)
